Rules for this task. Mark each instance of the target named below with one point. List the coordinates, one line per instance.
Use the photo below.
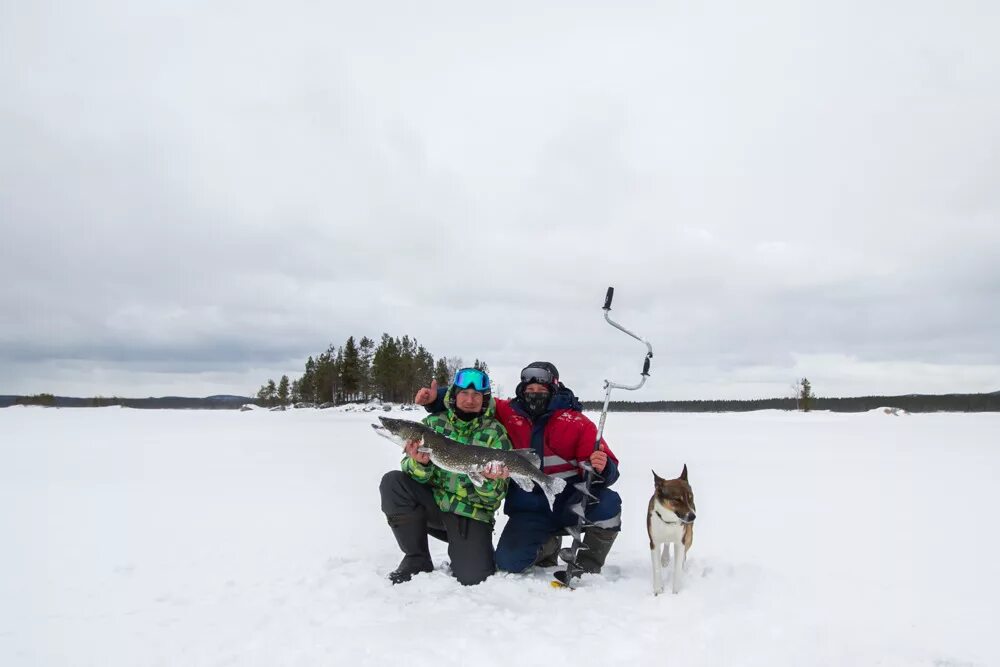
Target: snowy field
(225, 538)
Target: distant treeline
(359, 370)
(909, 402)
(163, 402)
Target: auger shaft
(573, 570)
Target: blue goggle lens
(472, 378)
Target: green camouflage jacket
(454, 492)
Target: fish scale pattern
(455, 492)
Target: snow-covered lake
(225, 538)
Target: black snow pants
(410, 508)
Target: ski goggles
(540, 375)
(472, 378)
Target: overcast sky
(196, 196)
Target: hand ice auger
(573, 570)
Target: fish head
(399, 431)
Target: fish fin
(558, 484)
(475, 478)
(525, 483)
(530, 455)
(552, 488)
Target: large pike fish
(472, 460)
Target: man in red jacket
(546, 416)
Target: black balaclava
(536, 402)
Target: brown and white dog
(670, 521)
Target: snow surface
(135, 537)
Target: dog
(670, 520)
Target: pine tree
(338, 385)
(366, 350)
(423, 368)
(267, 394)
(805, 395)
(326, 376)
(385, 367)
(282, 393)
(350, 371)
(307, 384)
(407, 368)
(272, 393)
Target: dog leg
(665, 558)
(679, 556)
(688, 540)
(654, 558)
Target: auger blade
(584, 488)
(573, 569)
(567, 555)
(579, 510)
(575, 533)
(565, 577)
(582, 522)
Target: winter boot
(596, 545)
(411, 536)
(547, 552)
(408, 567)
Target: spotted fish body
(470, 460)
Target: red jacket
(567, 439)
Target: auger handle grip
(607, 299)
(645, 366)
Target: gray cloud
(190, 194)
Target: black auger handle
(607, 299)
(645, 366)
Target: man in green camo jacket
(422, 499)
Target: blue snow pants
(531, 523)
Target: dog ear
(656, 478)
(684, 473)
